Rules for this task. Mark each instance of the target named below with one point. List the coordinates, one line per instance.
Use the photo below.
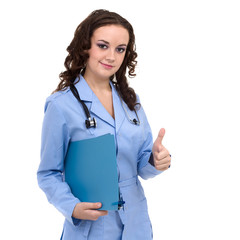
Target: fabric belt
(128, 182)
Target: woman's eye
(121, 50)
(102, 46)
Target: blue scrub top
(64, 121)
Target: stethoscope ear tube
(91, 122)
(88, 122)
(134, 121)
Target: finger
(162, 167)
(95, 214)
(98, 213)
(161, 155)
(102, 212)
(160, 136)
(89, 205)
(164, 161)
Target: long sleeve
(145, 168)
(54, 143)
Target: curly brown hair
(77, 55)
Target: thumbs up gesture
(161, 156)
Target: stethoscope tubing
(91, 122)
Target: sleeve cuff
(151, 160)
(76, 222)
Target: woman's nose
(110, 55)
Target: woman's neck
(97, 84)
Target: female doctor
(102, 49)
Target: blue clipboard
(91, 171)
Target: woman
(102, 49)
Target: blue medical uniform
(64, 121)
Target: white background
(188, 74)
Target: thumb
(91, 205)
(160, 136)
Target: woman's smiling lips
(106, 66)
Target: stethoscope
(91, 122)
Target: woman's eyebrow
(122, 45)
(106, 42)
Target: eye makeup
(121, 49)
(104, 45)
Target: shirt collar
(85, 92)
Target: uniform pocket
(80, 232)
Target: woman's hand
(88, 211)
(161, 156)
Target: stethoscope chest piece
(91, 123)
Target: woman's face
(108, 48)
